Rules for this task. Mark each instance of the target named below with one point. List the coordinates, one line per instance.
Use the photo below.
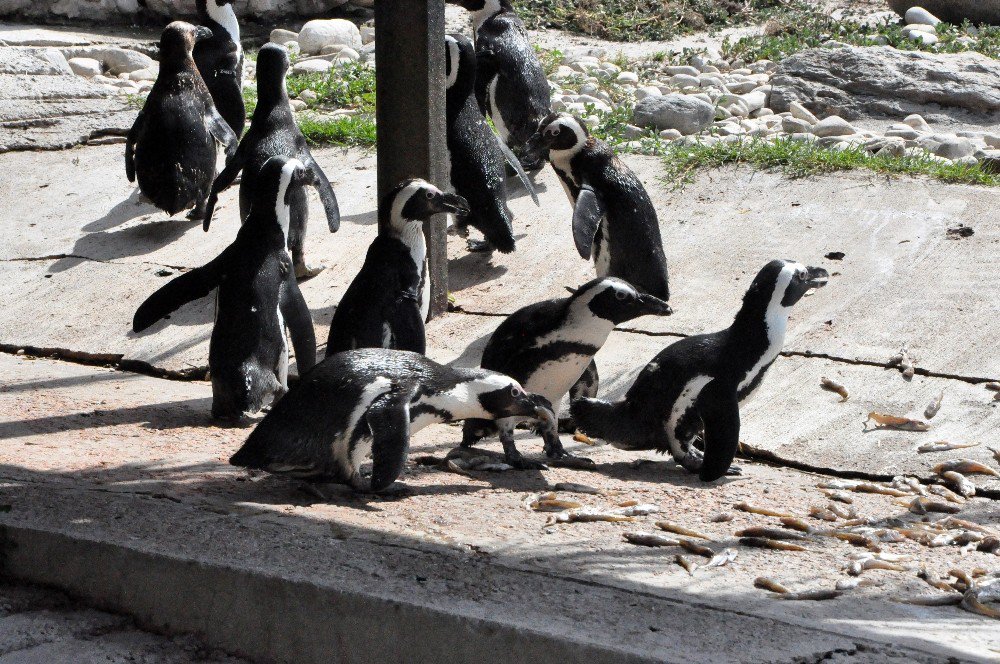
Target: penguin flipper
(130, 141)
(587, 215)
(719, 409)
(389, 419)
(486, 71)
(515, 163)
(192, 285)
(300, 324)
(222, 132)
(224, 180)
(326, 195)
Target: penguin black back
(477, 166)
(220, 60)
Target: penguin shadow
(474, 268)
(369, 218)
(193, 314)
(131, 208)
(472, 356)
(655, 471)
(138, 240)
(516, 190)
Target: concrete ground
(119, 490)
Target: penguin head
(419, 200)
(272, 66)
(618, 301)
(460, 62)
(783, 282)
(279, 178)
(501, 396)
(558, 132)
(178, 40)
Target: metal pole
(410, 113)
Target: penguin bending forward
(693, 388)
(273, 132)
(388, 301)
(614, 220)
(171, 145)
(548, 345)
(220, 60)
(369, 402)
(258, 297)
(510, 83)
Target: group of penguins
(375, 388)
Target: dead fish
(771, 533)
(570, 461)
(838, 485)
(764, 583)
(839, 496)
(996, 451)
(856, 539)
(933, 407)
(969, 537)
(932, 600)
(879, 555)
(694, 547)
(856, 567)
(628, 503)
(722, 517)
(637, 510)
(767, 543)
(813, 595)
(822, 513)
(923, 505)
(933, 579)
(870, 487)
(752, 509)
(650, 539)
(963, 577)
(723, 558)
(685, 562)
(955, 522)
(946, 493)
(795, 523)
(833, 386)
(966, 466)
(572, 487)
(962, 484)
(899, 423)
(587, 516)
(910, 484)
(992, 386)
(581, 437)
(847, 584)
(906, 365)
(453, 467)
(849, 513)
(554, 505)
(972, 603)
(943, 446)
(989, 545)
(493, 467)
(681, 530)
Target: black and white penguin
(273, 132)
(510, 83)
(369, 402)
(614, 221)
(220, 60)
(547, 347)
(388, 301)
(692, 389)
(477, 166)
(258, 297)
(171, 145)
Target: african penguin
(510, 84)
(258, 297)
(388, 301)
(171, 145)
(477, 165)
(614, 220)
(369, 402)
(547, 347)
(692, 389)
(220, 60)
(273, 132)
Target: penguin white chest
(602, 250)
(776, 323)
(552, 379)
(351, 458)
(684, 402)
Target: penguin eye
(516, 392)
(429, 195)
(620, 295)
(552, 130)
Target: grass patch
(798, 159)
(349, 85)
(351, 130)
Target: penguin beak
(654, 306)
(536, 145)
(818, 277)
(452, 203)
(201, 33)
(537, 406)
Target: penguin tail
(614, 422)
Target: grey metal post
(410, 113)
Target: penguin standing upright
(614, 220)
(477, 165)
(692, 389)
(258, 297)
(220, 60)
(369, 402)
(548, 345)
(510, 83)
(388, 301)
(171, 145)
(273, 133)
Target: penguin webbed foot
(198, 212)
(519, 462)
(559, 457)
(304, 271)
(480, 246)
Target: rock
(917, 121)
(280, 36)
(893, 147)
(631, 132)
(317, 66)
(685, 81)
(795, 126)
(992, 140)
(670, 134)
(332, 49)
(367, 34)
(755, 100)
(952, 11)
(144, 74)
(293, 48)
(741, 87)
(647, 91)
(955, 148)
(923, 37)
(116, 60)
(309, 96)
(348, 54)
(920, 15)
(833, 126)
(905, 132)
(323, 32)
(684, 113)
(86, 67)
(801, 112)
(990, 161)
(877, 81)
(297, 105)
(930, 29)
(682, 70)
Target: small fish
(972, 603)
(847, 584)
(855, 539)
(554, 505)
(995, 450)
(587, 516)
(767, 543)
(765, 583)
(932, 600)
(838, 485)
(962, 484)
(833, 386)
(839, 496)
(628, 503)
(909, 484)
(723, 558)
(771, 533)
(943, 446)
(681, 530)
(581, 437)
(933, 407)
(870, 487)
(822, 513)
(637, 510)
(694, 547)
(572, 487)
(752, 509)
(813, 595)
(933, 579)
(453, 467)
(966, 466)
(493, 467)
(650, 539)
(856, 567)
(722, 517)
(992, 386)
(899, 423)
(570, 461)
(955, 522)
(795, 523)
(906, 365)
(963, 577)
(989, 545)
(923, 505)
(849, 513)
(689, 565)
